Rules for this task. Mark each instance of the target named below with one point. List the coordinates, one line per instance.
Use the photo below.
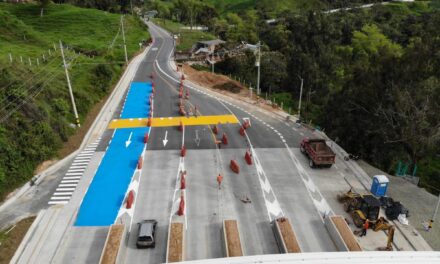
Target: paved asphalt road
(206, 205)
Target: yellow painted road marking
(173, 121)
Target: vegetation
(371, 75)
(187, 37)
(35, 109)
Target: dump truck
(318, 152)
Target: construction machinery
(360, 206)
(389, 246)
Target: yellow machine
(360, 206)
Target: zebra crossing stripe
(62, 193)
(58, 202)
(80, 164)
(69, 181)
(71, 177)
(77, 170)
(78, 167)
(67, 185)
(60, 198)
(64, 189)
(74, 174)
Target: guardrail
(231, 239)
(114, 248)
(175, 245)
(341, 234)
(285, 236)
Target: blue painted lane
(107, 190)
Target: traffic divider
(241, 131)
(246, 124)
(130, 199)
(146, 138)
(182, 180)
(234, 166)
(187, 94)
(183, 151)
(181, 210)
(248, 157)
(149, 122)
(225, 139)
(140, 161)
(181, 126)
(215, 129)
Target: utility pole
(435, 211)
(123, 37)
(70, 86)
(300, 98)
(258, 65)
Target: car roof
(146, 227)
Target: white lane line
(58, 202)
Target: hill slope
(35, 109)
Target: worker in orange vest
(219, 180)
(365, 227)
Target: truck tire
(311, 163)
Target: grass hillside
(35, 110)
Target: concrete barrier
(231, 239)
(114, 248)
(285, 236)
(175, 246)
(341, 234)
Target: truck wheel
(311, 163)
(301, 148)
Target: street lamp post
(258, 65)
(300, 97)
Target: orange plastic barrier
(130, 199)
(149, 122)
(140, 161)
(183, 151)
(181, 206)
(248, 157)
(246, 124)
(234, 166)
(225, 139)
(182, 182)
(241, 131)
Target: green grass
(35, 130)
(187, 37)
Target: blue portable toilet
(379, 185)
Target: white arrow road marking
(128, 142)
(165, 141)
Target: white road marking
(62, 193)
(58, 202)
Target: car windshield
(145, 238)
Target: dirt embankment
(11, 237)
(227, 86)
(214, 81)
